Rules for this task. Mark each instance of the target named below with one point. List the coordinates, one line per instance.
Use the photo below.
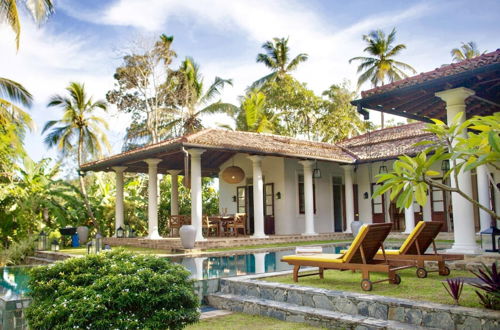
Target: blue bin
(75, 242)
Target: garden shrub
(112, 290)
(17, 252)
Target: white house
(293, 186)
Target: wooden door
(439, 207)
(269, 208)
(397, 217)
(378, 207)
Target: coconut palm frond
(15, 92)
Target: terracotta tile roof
(381, 144)
(227, 140)
(444, 71)
(388, 143)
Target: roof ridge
(385, 129)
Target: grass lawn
(411, 287)
(138, 250)
(241, 321)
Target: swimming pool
(14, 282)
(237, 265)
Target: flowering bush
(113, 290)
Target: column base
(200, 239)
(259, 236)
(465, 249)
(309, 234)
(406, 232)
(347, 231)
(154, 235)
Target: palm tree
(465, 52)
(78, 126)
(192, 102)
(255, 119)
(40, 10)
(12, 92)
(277, 58)
(381, 66)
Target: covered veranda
(470, 87)
(200, 155)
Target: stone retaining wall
(416, 313)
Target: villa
(291, 186)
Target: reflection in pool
(237, 265)
(13, 282)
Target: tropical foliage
(79, 129)
(141, 90)
(466, 51)
(40, 10)
(277, 58)
(113, 290)
(381, 67)
(465, 144)
(191, 100)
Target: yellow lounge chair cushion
(407, 241)
(323, 257)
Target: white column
(258, 197)
(174, 194)
(153, 198)
(409, 219)
(196, 201)
(483, 192)
(349, 198)
(427, 208)
(119, 197)
(260, 262)
(308, 197)
(463, 212)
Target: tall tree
(465, 52)
(338, 118)
(191, 100)
(40, 10)
(252, 116)
(277, 58)
(141, 90)
(80, 127)
(12, 115)
(381, 67)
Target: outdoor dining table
(222, 221)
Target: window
(302, 207)
(269, 199)
(241, 199)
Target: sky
(83, 42)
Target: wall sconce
(382, 169)
(234, 198)
(278, 195)
(445, 165)
(365, 195)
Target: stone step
(413, 313)
(303, 314)
(38, 261)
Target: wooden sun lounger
(360, 256)
(412, 252)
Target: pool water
(244, 264)
(13, 282)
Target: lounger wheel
(446, 271)
(421, 272)
(397, 279)
(366, 285)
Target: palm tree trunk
(90, 213)
(381, 119)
